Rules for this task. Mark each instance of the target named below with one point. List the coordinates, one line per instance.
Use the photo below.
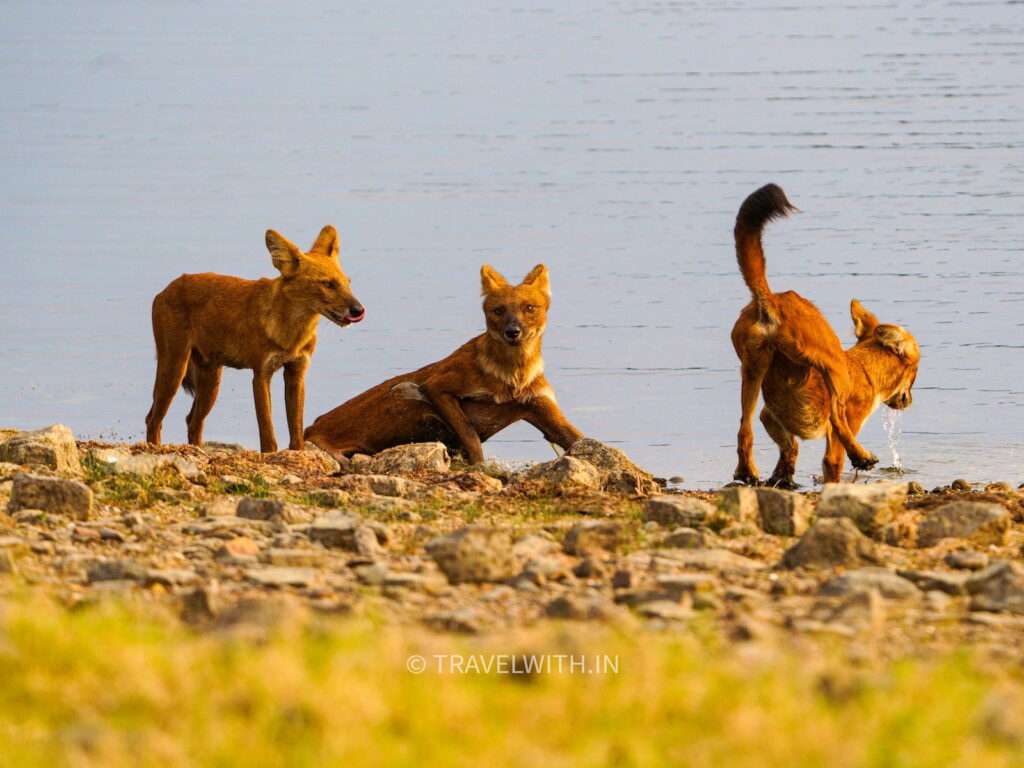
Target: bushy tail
(762, 206)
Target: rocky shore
(233, 540)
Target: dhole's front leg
(545, 415)
(447, 407)
(294, 398)
(261, 394)
(751, 376)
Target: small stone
(7, 564)
(672, 511)
(238, 548)
(297, 558)
(415, 458)
(52, 447)
(534, 545)
(887, 583)
(861, 611)
(960, 485)
(278, 576)
(931, 581)
(915, 489)
(381, 485)
(685, 538)
(111, 534)
(54, 495)
(968, 560)
(740, 503)
(565, 471)
(592, 535)
(82, 535)
(622, 579)
(366, 542)
(335, 529)
(980, 522)
(272, 509)
(678, 583)
(467, 621)
(718, 560)
(871, 507)
(575, 607)
(590, 568)
(200, 605)
(618, 474)
(170, 577)
(829, 543)
(782, 513)
(999, 487)
(146, 464)
(998, 588)
(328, 497)
(114, 570)
(665, 610)
(474, 553)
(222, 506)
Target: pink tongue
(357, 318)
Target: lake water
(611, 141)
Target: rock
(427, 583)
(201, 605)
(980, 522)
(870, 507)
(149, 463)
(335, 529)
(565, 471)
(960, 485)
(860, 611)
(53, 495)
(467, 621)
(719, 560)
(617, 472)
(52, 447)
(887, 583)
(915, 489)
(115, 570)
(279, 576)
(272, 509)
(328, 497)
(829, 543)
(968, 560)
(541, 570)
(7, 564)
(222, 506)
(740, 503)
(783, 513)
(999, 487)
(238, 548)
(107, 457)
(9, 470)
(672, 511)
(170, 577)
(590, 535)
(576, 607)
(533, 545)
(998, 588)
(415, 458)
(474, 553)
(381, 485)
(296, 558)
(590, 568)
(931, 581)
(305, 463)
(665, 610)
(366, 542)
(679, 583)
(686, 538)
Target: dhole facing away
(487, 384)
(203, 322)
(788, 352)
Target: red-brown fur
(203, 322)
(789, 353)
(485, 385)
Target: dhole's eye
(529, 308)
(498, 311)
(329, 284)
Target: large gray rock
(412, 459)
(870, 507)
(673, 511)
(382, 485)
(1000, 587)
(145, 464)
(981, 522)
(954, 583)
(272, 509)
(52, 447)
(565, 471)
(474, 553)
(887, 583)
(740, 503)
(830, 543)
(340, 530)
(783, 513)
(54, 495)
(618, 473)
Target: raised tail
(762, 206)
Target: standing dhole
(203, 322)
(488, 383)
(788, 352)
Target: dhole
(788, 352)
(488, 383)
(203, 322)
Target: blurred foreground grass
(117, 685)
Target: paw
(746, 477)
(864, 462)
(783, 483)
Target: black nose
(512, 332)
(356, 312)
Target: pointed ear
(326, 242)
(892, 338)
(284, 253)
(490, 280)
(864, 323)
(538, 278)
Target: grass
(128, 488)
(115, 685)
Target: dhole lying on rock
(203, 322)
(788, 352)
(487, 384)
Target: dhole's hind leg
(752, 374)
(832, 464)
(171, 362)
(789, 449)
(205, 381)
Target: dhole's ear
(864, 323)
(490, 280)
(326, 242)
(538, 278)
(892, 338)
(284, 253)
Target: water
(611, 141)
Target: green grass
(129, 489)
(109, 685)
(254, 485)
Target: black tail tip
(767, 203)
